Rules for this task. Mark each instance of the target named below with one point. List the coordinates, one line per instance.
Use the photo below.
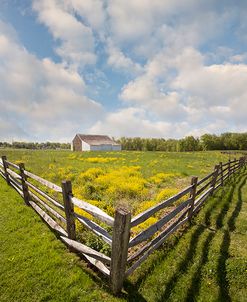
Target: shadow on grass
(224, 248)
(184, 264)
(196, 280)
(159, 258)
(188, 259)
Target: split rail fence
(127, 253)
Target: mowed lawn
(206, 261)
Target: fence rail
(127, 254)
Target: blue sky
(123, 68)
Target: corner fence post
(192, 196)
(5, 167)
(26, 195)
(120, 243)
(69, 209)
(221, 174)
(216, 173)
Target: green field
(207, 263)
(136, 179)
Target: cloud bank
(169, 69)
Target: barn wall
(116, 148)
(85, 146)
(76, 144)
(105, 148)
(101, 148)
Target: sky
(147, 68)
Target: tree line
(35, 146)
(224, 141)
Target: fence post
(120, 242)
(216, 173)
(239, 163)
(26, 195)
(69, 209)
(234, 166)
(5, 167)
(221, 173)
(192, 196)
(242, 162)
(229, 168)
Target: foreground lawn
(207, 263)
(34, 264)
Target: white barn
(82, 142)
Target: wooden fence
(127, 253)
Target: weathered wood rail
(127, 253)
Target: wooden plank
(141, 250)
(203, 195)
(14, 185)
(51, 222)
(100, 266)
(201, 199)
(2, 174)
(153, 248)
(205, 178)
(93, 210)
(203, 188)
(51, 210)
(69, 209)
(150, 231)
(49, 198)
(225, 177)
(18, 183)
(81, 248)
(120, 242)
(44, 182)
(94, 227)
(151, 211)
(218, 185)
(12, 165)
(13, 174)
(225, 169)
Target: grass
(110, 178)
(207, 261)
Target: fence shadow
(224, 248)
(189, 256)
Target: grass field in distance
(137, 179)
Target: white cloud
(90, 10)
(41, 98)
(119, 61)
(132, 122)
(75, 38)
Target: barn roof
(97, 139)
